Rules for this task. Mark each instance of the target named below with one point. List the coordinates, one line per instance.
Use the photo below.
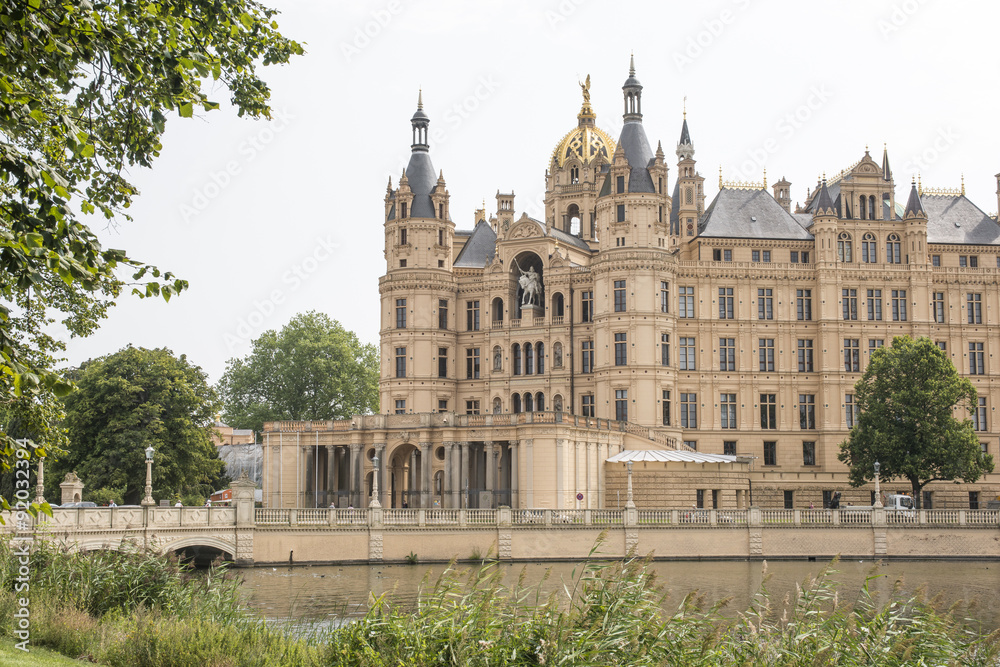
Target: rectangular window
(942, 345)
(844, 250)
(937, 307)
(685, 302)
(973, 500)
(727, 255)
(765, 304)
(768, 411)
(472, 363)
(400, 406)
(727, 404)
(729, 447)
(472, 407)
(976, 366)
(619, 296)
(665, 407)
(699, 498)
(472, 316)
(725, 303)
(852, 355)
(441, 231)
(400, 313)
(963, 261)
(808, 453)
(727, 354)
(898, 305)
(755, 255)
(803, 304)
(928, 500)
(587, 403)
(402, 263)
(620, 184)
(807, 411)
(621, 351)
(664, 349)
(443, 314)
(849, 300)
(715, 499)
(722, 255)
(621, 405)
(621, 212)
(805, 257)
(687, 360)
(689, 410)
(442, 362)
(974, 306)
(443, 405)
(789, 500)
(766, 354)
(402, 233)
(869, 250)
(770, 453)
(935, 260)
(587, 357)
(850, 411)
(401, 362)
(793, 256)
(874, 304)
(874, 344)
(805, 356)
(586, 306)
(892, 252)
(973, 262)
(979, 416)
(664, 297)
(765, 255)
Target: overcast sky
(270, 219)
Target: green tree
(907, 399)
(85, 91)
(312, 369)
(135, 398)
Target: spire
(419, 122)
(633, 94)
(886, 171)
(419, 172)
(685, 147)
(913, 207)
(586, 115)
(824, 202)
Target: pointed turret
(633, 94)
(419, 171)
(633, 137)
(914, 209)
(824, 202)
(886, 171)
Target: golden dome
(586, 143)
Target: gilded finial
(963, 183)
(765, 178)
(720, 176)
(586, 91)
(824, 177)
(920, 186)
(685, 107)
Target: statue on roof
(586, 90)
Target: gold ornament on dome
(586, 144)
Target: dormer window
(402, 209)
(402, 234)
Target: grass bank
(132, 610)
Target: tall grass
(140, 609)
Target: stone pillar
(463, 475)
(243, 500)
(560, 482)
(591, 476)
(602, 501)
(515, 451)
(426, 468)
(529, 463)
(756, 536)
(879, 527)
(72, 489)
(488, 473)
(357, 480)
(382, 467)
(331, 474)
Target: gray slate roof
(732, 212)
(639, 155)
(479, 250)
(955, 219)
(913, 203)
(568, 239)
(675, 205)
(423, 179)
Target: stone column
(490, 471)
(463, 475)
(449, 475)
(243, 492)
(602, 502)
(331, 473)
(426, 466)
(529, 463)
(357, 480)
(514, 486)
(382, 466)
(560, 481)
(591, 469)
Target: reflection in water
(330, 593)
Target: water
(332, 594)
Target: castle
(722, 340)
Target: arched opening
(202, 556)
(515, 358)
(529, 403)
(557, 403)
(558, 304)
(871, 206)
(497, 406)
(526, 271)
(496, 310)
(439, 489)
(540, 402)
(844, 247)
(529, 359)
(515, 403)
(540, 355)
(573, 220)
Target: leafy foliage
(312, 369)
(134, 398)
(907, 398)
(85, 91)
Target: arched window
(844, 249)
(497, 406)
(540, 402)
(529, 359)
(557, 304)
(515, 403)
(497, 310)
(892, 249)
(573, 219)
(863, 207)
(869, 248)
(529, 403)
(574, 175)
(871, 206)
(515, 358)
(540, 355)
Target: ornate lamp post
(629, 504)
(878, 496)
(147, 500)
(374, 502)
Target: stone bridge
(260, 536)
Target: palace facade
(518, 356)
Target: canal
(331, 594)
